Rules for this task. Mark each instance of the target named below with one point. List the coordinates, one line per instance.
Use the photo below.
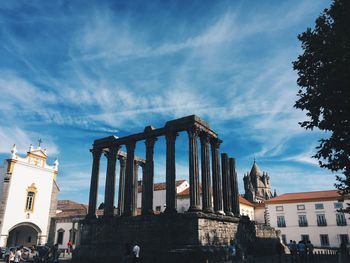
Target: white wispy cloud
(22, 138)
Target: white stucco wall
(159, 197)
(66, 226)
(23, 176)
(293, 231)
(247, 211)
(259, 213)
(183, 203)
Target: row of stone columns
(127, 197)
(219, 192)
(230, 186)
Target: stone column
(111, 155)
(96, 154)
(217, 186)
(234, 188)
(170, 173)
(135, 188)
(193, 169)
(226, 186)
(129, 179)
(122, 162)
(206, 182)
(77, 237)
(71, 232)
(148, 178)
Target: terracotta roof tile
(186, 193)
(244, 201)
(70, 208)
(160, 186)
(306, 197)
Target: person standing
(136, 253)
(302, 250)
(12, 255)
(70, 247)
(310, 251)
(55, 253)
(233, 250)
(18, 255)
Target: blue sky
(74, 71)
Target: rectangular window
(344, 239)
(30, 201)
(305, 238)
(321, 220)
(338, 205)
(281, 221)
(300, 207)
(279, 208)
(284, 239)
(341, 220)
(158, 208)
(319, 206)
(60, 237)
(324, 240)
(302, 220)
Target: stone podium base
(187, 237)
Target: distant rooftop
(306, 197)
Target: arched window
(30, 200)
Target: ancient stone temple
(204, 230)
(257, 185)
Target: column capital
(112, 151)
(130, 145)
(215, 142)
(137, 163)
(193, 131)
(171, 136)
(204, 137)
(150, 141)
(96, 152)
(122, 160)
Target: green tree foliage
(324, 81)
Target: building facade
(183, 199)
(159, 196)
(28, 192)
(310, 216)
(67, 223)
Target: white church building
(28, 198)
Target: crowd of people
(304, 249)
(48, 255)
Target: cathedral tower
(256, 185)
